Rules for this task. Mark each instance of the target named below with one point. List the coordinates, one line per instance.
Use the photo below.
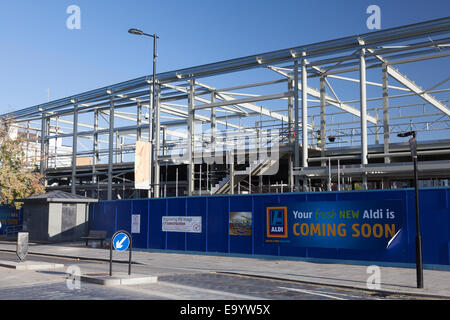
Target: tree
(18, 179)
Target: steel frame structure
(107, 122)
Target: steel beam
(244, 103)
(343, 45)
(416, 89)
(334, 102)
(394, 73)
(315, 93)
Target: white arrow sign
(120, 242)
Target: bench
(95, 235)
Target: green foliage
(17, 179)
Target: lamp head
(136, 32)
(407, 134)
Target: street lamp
(151, 126)
(413, 148)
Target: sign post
(121, 241)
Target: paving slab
(30, 265)
(118, 279)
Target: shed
(56, 216)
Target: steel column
(213, 128)
(138, 122)
(94, 151)
(110, 147)
(304, 118)
(296, 131)
(290, 111)
(213, 137)
(117, 135)
(290, 132)
(190, 146)
(230, 160)
(152, 131)
(157, 133)
(176, 183)
(385, 112)
(56, 143)
(150, 139)
(43, 142)
(74, 148)
(323, 121)
(363, 105)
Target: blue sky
(38, 52)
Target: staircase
(256, 168)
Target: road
(173, 284)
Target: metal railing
(12, 230)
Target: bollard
(22, 245)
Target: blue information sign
(121, 241)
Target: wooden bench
(95, 235)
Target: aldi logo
(276, 222)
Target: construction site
(317, 117)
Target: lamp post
(153, 127)
(413, 148)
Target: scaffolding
(299, 119)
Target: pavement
(394, 281)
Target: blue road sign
(121, 242)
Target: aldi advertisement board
(376, 226)
(334, 224)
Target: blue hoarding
(375, 225)
(9, 217)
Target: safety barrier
(144, 219)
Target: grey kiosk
(56, 216)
